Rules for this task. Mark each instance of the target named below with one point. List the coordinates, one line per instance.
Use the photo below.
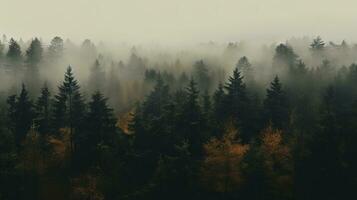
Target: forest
(94, 121)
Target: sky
(178, 21)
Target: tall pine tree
(276, 105)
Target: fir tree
(276, 105)
(69, 106)
(192, 120)
(200, 72)
(43, 110)
(34, 52)
(21, 114)
(100, 131)
(237, 101)
(14, 52)
(55, 50)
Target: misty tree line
(195, 134)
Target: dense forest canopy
(216, 121)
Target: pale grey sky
(175, 21)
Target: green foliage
(34, 52)
(276, 105)
(14, 52)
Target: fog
(178, 22)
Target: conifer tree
(200, 72)
(97, 77)
(14, 52)
(284, 59)
(69, 106)
(218, 109)
(317, 44)
(34, 52)
(237, 102)
(192, 125)
(55, 50)
(276, 105)
(21, 114)
(100, 130)
(244, 66)
(157, 99)
(43, 110)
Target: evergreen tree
(200, 72)
(317, 44)
(325, 172)
(43, 110)
(69, 106)
(100, 131)
(284, 59)
(14, 52)
(237, 102)
(192, 125)
(21, 114)
(34, 52)
(97, 77)
(244, 66)
(276, 105)
(206, 105)
(219, 112)
(55, 50)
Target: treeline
(194, 135)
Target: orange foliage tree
(221, 167)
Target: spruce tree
(14, 51)
(192, 125)
(55, 50)
(100, 131)
(218, 110)
(96, 77)
(43, 110)
(244, 66)
(157, 99)
(284, 59)
(276, 105)
(69, 106)
(237, 101)
(317, 44)
(34, 52)
(21, 114)
(200, 71)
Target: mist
(190, 99)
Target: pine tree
(156, 128)
(237, 101)
(284, 59)
(97, 77)
(21, 114)
(157, 99)
(276, 105)
(206, 105)
(14, 52)
(317, 44)
(100, 131)
(69, 106)
(200, 72)
(34, 52)
(218, 110)
(244, 66)
(55, 50)
(43, 110)
(192, 125)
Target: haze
(178, 22)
